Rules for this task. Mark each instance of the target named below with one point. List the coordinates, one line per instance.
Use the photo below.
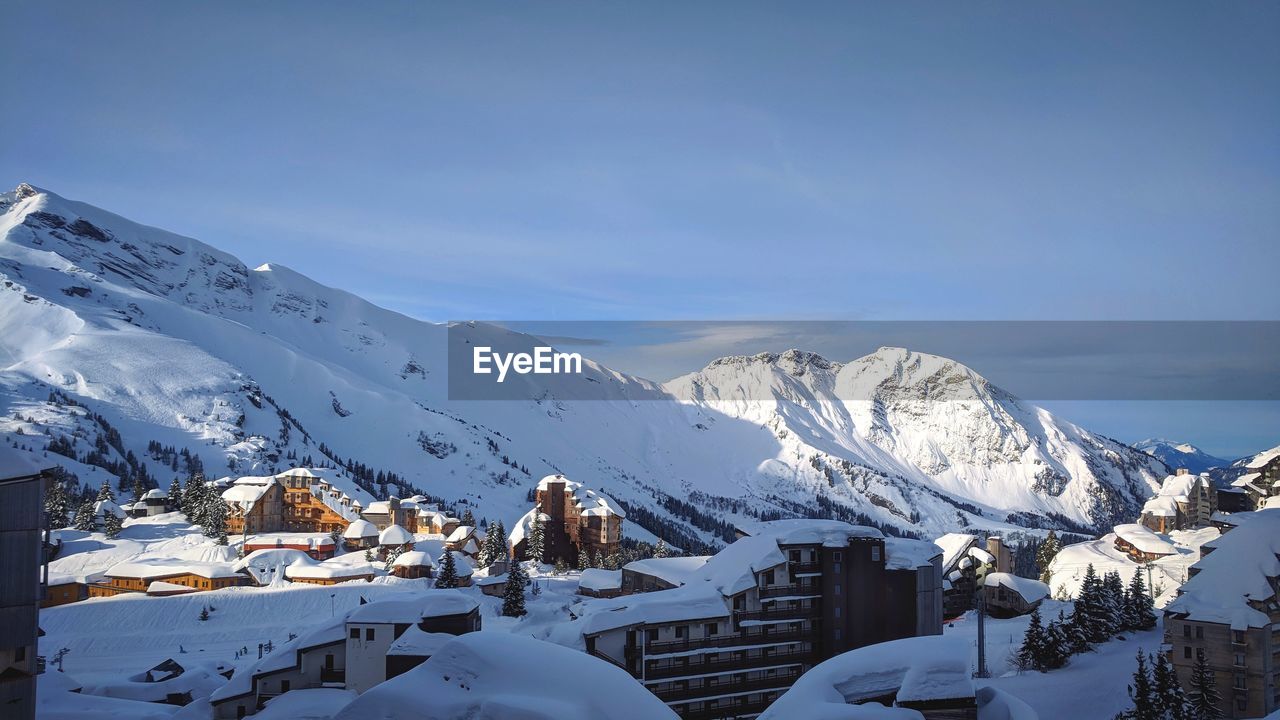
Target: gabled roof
(1239, 569)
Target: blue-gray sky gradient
(684, 161)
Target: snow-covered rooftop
(1145, 539)
(733, 569)
(502, 675)
(395, 535)
(414, 558)
(925, 668)
(416, 641)
(674, 570)
(331, 631)
(1160, 506)
(1240, 568)
(359, 529)
(1030, 590)
(166, 567)
(428, 603)
(698, 601)
(597, 579)
(1263, 458)
(460, 533)
(309, 569)
(803, 531)
(908, 554)
(588, 501)
(953, 546)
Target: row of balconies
(719, 641)
(741, 706)
(727, 685)
(814, 610)
(698, 665)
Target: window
(652, 635)
(20, 654)
(837, 588)
(1186, 651)
(875, 553)
(711, 628)
(355, 633)
(1186, 630)
(1199, 632)
(368, 634)
(680, 631)
(1239, 659)
(767, 578)
(837, 611)
(1237, 636)
(835, 567)
(838, 633)
(1239, 681)
(284, 686)
(835, 556)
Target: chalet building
(297, 500)
(1184, 501)
(436, 522)
(653, 574)
(964, 565)
(360, 535)
(327, 573)
(1006, 595)
(1141, 544)
(153, 502)
(64, 589)
(787, 595)
(139, 576)
(463, 540)
(353, 652)
(316, 546)
(600, 583)
(576, 519)
(22, 486)
(101, 508)
(1228, 611)
(392, 538)
(385, 513)
(1261, 479)
(413, 564)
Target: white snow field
(1167, 574)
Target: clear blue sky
(673, 160)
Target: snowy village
(877, 360)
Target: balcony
(778, 614)
(755, 707)
(331, 675)
(701, 665)
(804, 567)
(720, 641)
(779, 682)
(774, 591)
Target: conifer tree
(597, 560)
(1167, 695)
(499, 550)
(583, 559)
(190, 498)
(468, 519)
(536, 547)
(84, 516)
(486, 546)
(111, 523)
(448, 577)
(660, 550)
(1141, 694)
(214, 518)
(175, 495)
(513, 596)
(1093, 614)
(57, 504)
(1045, 554)
(106, 493)
(138, 489)
(1058, 642)
(1140, 610)
(392, 554)
(1034, 653)
(1203, 699)
(1113, 596)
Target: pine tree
(1058, 642)
(561, 568)
(448, 577)
(106, 493)
(482, 558)
(660, 550)
(204, 613)
(583, 559)
(1092, 613)
(392, 554)
(1167, 695)
(1045, 554)
(513, 596)
(138, 489)
(499, 551)
(57, 504)
(1113, 597)
(111, 523)
(1140, 610)
(1141, 694)
(190, 498)
(214, 518)
(537, 543)
(613, 561)
(1034, 653)
(1203, 700)
(468, 519)
(84, 516)
(175, 495)
(597, 560)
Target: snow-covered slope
(132, 348)
(1181, 455)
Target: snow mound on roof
(1240, 568)
(597, 579)
(675, 570)
(953, 545)
(360, 528)
(1145, 539)
(1030, 590)
(306, 704)
(496, 675)
(429, 603)
(395, 535)
(913, 669)
(805, 531)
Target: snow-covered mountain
(1181, 455)
(129, 349)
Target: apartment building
(1228, 611)
(21, 556)
(1184, 501)
(575, 519)
(782, 598)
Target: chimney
(1004, 561)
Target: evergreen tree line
(1157, 695)
(1104, 608)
